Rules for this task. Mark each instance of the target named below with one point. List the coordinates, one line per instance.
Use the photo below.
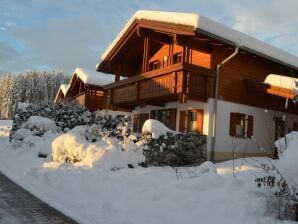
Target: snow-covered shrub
(282, 178)
(164, 147)
(155, 128)
(65, 116)
(37, 132)
(74, 147)
(111, 125)
(39, 125)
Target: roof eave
(200, 31)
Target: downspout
(216, 98)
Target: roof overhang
(286, 88)
(202, 25)
(141, 28)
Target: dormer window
(154, 65)
(177, 58)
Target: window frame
(246, 124)
(171, 116)
(154, 65)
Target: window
(191, 121)
(177, 58)
(241, 125)
(154, 65)
(138, 121)
(167, 117)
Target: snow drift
(155, 128)
(108, 153)
(288, 154)
(41, 124)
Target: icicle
(286, 103)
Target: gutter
(214, 115)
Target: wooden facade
(170, 62)
(90, 96)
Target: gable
(190, 24)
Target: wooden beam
(146, 75)
(145, 54)
(167, 27)
(182, 98)
(155, 103)
(155, 36)
(117, 77)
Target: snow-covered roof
(281, 81)
(92, 77)
(202, 23)
(64, 88)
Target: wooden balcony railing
(170, 81)
(92, 102)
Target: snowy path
(17, 206)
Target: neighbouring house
(85, 88)
(61, 93)
(196, 75)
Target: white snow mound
(288, 155)
(155, 128)
(73, 147)
(207, 167)
(23, 106)
(41, 123)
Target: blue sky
(64, 34)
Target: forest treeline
(30, 87)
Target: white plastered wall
(263, 128)
(263, 125)
(185, 106)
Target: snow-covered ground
(142, 195)
(5, 126)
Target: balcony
(162, 85)
(90, 101)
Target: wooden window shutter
(233, 118)
(250, 126)
(182, 127)
(200, 115)
(135, 122)
(173, 119)
(152, 114)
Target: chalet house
(196, 75)
(85, 88)
(61, 93)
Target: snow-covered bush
(37, 132)
(164, 147)
(74, 147)
(155, 128)
(282, 178)
(39, 125)
(65, 116)
(105, 125)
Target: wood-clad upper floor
(92, 97)
(168, 62)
